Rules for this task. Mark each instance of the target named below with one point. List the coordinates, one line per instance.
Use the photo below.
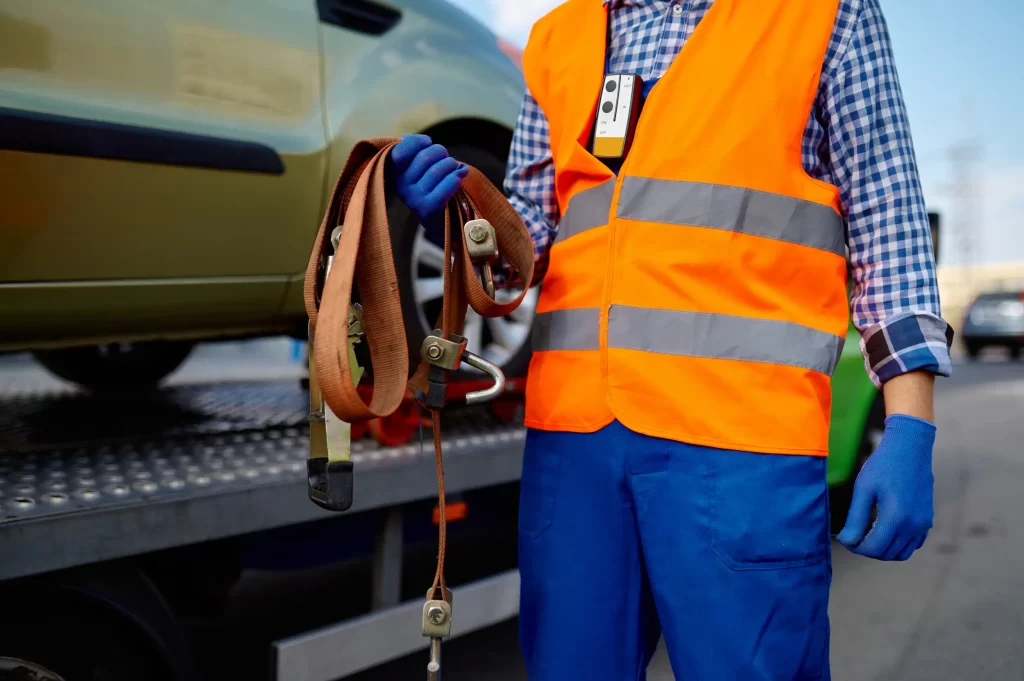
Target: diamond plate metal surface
(69, 453)
(43, 483)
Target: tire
(973, 350)
(840, 497)
(1014, 352)
(414, 256)
(116, 366)
(79, 634)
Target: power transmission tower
(965, 191)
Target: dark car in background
(995, 318)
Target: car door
(176, 145)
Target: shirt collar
(625, 3)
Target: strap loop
(362, 257)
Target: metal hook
(449, 355)
(434, 665)
(491, 370)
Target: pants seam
(626, 476)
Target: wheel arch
(475, 132)
(123, 591)
(454, 87)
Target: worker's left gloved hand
(425, 177)
(898, 478)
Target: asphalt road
(953, 612)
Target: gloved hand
(425, 177)
(898, 478)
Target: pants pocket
(768, 511)
(538, 486)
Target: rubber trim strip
(42, 133)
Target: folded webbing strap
(364, 257)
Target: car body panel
(212, 249)
(47, 315)
(429, 71)
(234, 69)
(853, 395)
(215, 249)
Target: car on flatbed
(164, 168)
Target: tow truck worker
(693, 309)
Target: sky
(961, 67)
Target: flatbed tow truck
(132, 528)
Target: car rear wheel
(973, 350)
(116, 366)
(504, 341)
(100, 628)
(1015, 352)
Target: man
(693, 308)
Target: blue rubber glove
(425, 177)
(898, 478)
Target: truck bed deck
(85, 479)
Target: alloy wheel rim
(496, 339)
(28, 670)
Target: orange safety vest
(700, 295)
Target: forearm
(911, 394)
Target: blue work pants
(625, 537)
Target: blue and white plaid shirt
(857, 139)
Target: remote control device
(617, 114)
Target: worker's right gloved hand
(425, 177)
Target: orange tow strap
(364, 256)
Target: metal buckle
(437, 615)
(356, 329)
(482, 243)
(437, 625)
(329, 468)
(448, 355)
(445, 354)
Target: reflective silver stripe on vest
(734, 209)
(578, 329)
(586, 210)
(719, 336)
